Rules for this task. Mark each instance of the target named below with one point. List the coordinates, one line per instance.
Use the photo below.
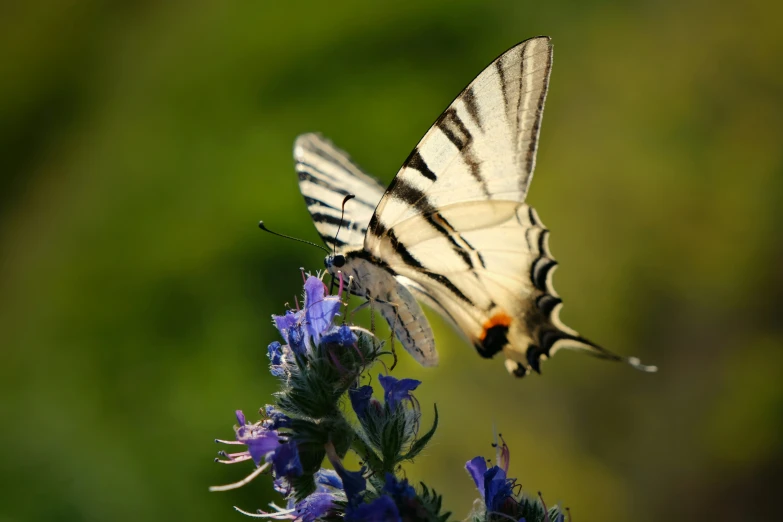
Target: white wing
(326, 176)
(454, 227)
(483, 147)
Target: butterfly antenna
(263, 227)
(346, 199)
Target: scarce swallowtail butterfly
(453, 229)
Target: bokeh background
(142, 141)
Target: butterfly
(453, 229)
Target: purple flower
(290, 327)
(276, 419)
(495, 488)
(360, 399)
(320, 503)
(299, 327)
(399, 490)
(262, 443)
(397, 390)
(327, 480)
(240, 417)
(285, 460)
(313, 507)
(275, 353)
(320, 309)
(382, 509)
(354, 484)
(259, 439)
(342, 336)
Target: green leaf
(420, 443)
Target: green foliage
(432, 503)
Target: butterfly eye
(338, 260)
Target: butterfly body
(453, 229)
(377, 284)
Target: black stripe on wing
(452, 126)
(322, 181)
(411, 261)
(417, 199)
(530, 158)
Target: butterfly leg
(393, 326)
(367, 304)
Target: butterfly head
(336, 260)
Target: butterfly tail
(553, 336)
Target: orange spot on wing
(499, 319)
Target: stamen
(242, 482)
(505, 454)
(495, 443)
(363, 330)
(281, 515)
(340, 368)
(568, 510)
(304, 279)
(233, 457)
(546, 511)
(221, 441)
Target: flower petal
(354, 483)
(284, 322)
(275, 353)
(399, 490)
(342, 336)
(360, 399)
(320, 308)
(240, 418)
(261, 443)
(320, 315)
(314, 506)
(328, 478)
(496, 488)
(476, 467)
(382, 509)
(285, 460)
(397, 390)
(296, 339)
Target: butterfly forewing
(482, 147)
(326, 176)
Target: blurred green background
(142, 141)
